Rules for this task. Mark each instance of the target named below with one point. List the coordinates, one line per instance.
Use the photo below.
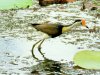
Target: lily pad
(14, 4)
(88, 59)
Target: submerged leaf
(88, 59)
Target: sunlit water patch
(15, 55)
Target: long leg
(33, 50)
(39, 48)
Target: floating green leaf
(88, 59)
(14, 4)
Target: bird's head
(77, 22)
(81, 21)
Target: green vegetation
(14, 4)
(88, 59)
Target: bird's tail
(35, 24)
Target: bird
(54, 30)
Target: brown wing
(47, 28)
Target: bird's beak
(87, 27)
(84, 23)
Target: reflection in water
(47, 67)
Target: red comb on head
(83, 22)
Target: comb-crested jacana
(54, 30)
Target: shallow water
(17, 37)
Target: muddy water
(17, 37)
